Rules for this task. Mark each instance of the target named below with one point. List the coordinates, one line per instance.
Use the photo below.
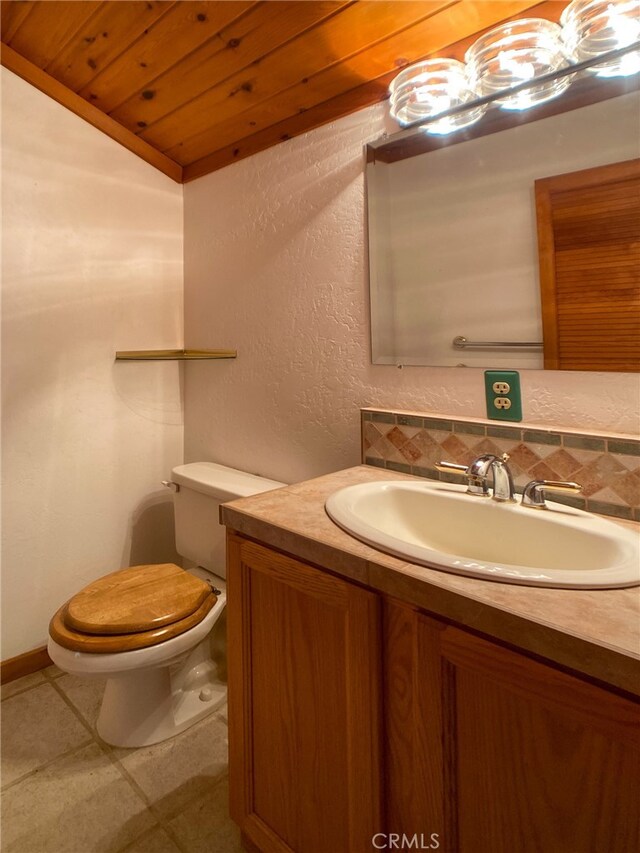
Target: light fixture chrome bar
(460, 342)
(576, 68)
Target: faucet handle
(477, 481)
(452, 468)
(534, 492)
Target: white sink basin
(440, 526)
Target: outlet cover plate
(502, 390)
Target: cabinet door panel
(304, 696)
(531, 777)
(497, 752)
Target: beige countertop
(595, 632)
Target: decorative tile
(470, 429)
(377, 461)
(524, 457)
(610, 509)
(563, 464)
(371, 435)
(436, 423)
(630, 448)
(402, 467)
(584, 442)
(383, 417)
(456, 450)
(487, 445)
(598, 474)
(631, 463)
(607, 467)
(627, 487)
(606, 495)
(410, 420)
(411, 452)
(396, 437)
(430, 450)
(505, 432)
(540, 437)
(541, 471)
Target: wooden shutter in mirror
(589, 249)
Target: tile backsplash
(607, 467)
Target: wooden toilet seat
(132, 609)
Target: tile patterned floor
(66, 791)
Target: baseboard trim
(24, 664)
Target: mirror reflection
(454, 249)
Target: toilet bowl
(149, 630)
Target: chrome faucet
(478, 473)
(534, 492)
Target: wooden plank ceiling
(194, 86)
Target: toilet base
(141, 713)
(146, 706)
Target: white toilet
(150, 629)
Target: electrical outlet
(502, 403)
(502, 389)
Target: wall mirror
(454, 250)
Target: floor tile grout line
(77, 713)
(47, 764)
(161, 820)
(52, 677)
(145, 834)
(24, 689)
(107, 751)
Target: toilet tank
(203, 486)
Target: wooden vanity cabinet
(351, 714)
(500, 753)
(304, 705)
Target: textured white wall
(92, 262)
(275, 265)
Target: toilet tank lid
(220, 482)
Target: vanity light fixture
(591, 28)
(509, 58)
(515, 53)
(432, 87)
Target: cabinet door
(304, 704)
(589, 247)
(497, 752)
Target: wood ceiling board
(103, 38)
(261, 30)
(353, 29)
(175, 35)
(377, 62)
(63, 95)
(12, 16)
(199, 112)
(49, 27)
(348, 102)
(550, 10)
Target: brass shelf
(174, 354)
